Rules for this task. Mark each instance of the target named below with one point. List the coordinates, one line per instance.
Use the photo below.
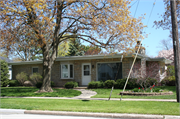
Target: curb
(87, 114)
(11, 111)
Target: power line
(151, 11)
(136, 8)
(134, 3)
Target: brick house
(84, 69)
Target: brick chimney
(141, 50)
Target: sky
(152, 42)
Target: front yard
(137, 107)
(30, 92)
(104, 93)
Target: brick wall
(56, 75)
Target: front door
(86, 73)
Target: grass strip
(30, 92)
(136, 107)
(104, 93)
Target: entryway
(86, 73)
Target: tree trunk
(47, 67)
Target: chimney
(141, 50)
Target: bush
(169, 81)
(170, 70)
(22, 77)
(156, 89)
(39, 84)
(35, 77)
(96, 84)
(135, 90)
(132, 83)
(151, 81)
(4, 73)
(71, 84)
(14, 83)
(109, 83)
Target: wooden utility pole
(175, 47)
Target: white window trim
(35, 67)
(68, 70)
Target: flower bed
(145, 93)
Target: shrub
(135, 90)
(39, 84)
(35, 77)
(151, 81)
(156, 89)
(4, 73)
(170, 70)
(109, 83)
(96, 84)
(169, 81)
(132, 83)
(71, 84)
(22, 77)
(14, 83)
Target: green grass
(30, 92)
(104, 93)
(138, 107)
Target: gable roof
(89, 57)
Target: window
(109, 71)
(67, 71)
(35, 70)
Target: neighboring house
(9, 66)
(84, 69)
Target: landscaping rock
(28, 83)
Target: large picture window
(67, 71)
(109, 71)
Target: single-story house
(84, 69)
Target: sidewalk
(87, 114)
(86, 95)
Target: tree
(63, 49)
(102, 23)
(166, 44)
(168, 54)
(144, 77)
(165, 23)
(25, 49)
(92, 50)
(4, 73)
(75, 48)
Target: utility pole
(175, 47)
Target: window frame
(33, 68)
(69, 71)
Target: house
(9, 66)
(84, 69)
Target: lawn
(104, 93)
(137, 107)
(30, 92)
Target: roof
(6, 59)
(89, 57)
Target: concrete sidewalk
(88, 114)
(87, 98)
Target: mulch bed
(146, 94)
